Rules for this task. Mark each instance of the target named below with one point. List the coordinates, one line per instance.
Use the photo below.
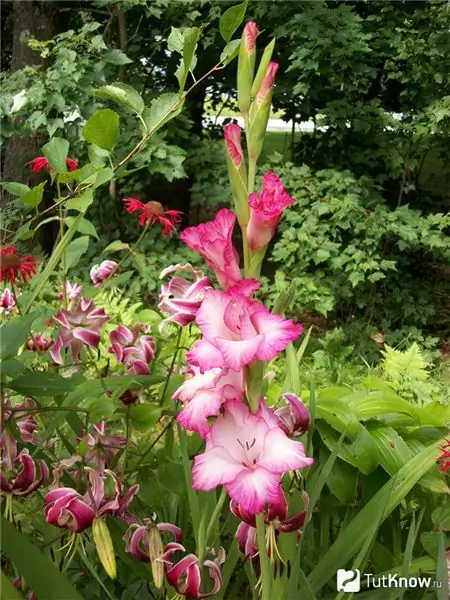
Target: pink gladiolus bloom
(80, 326)
(135, 352)
(232, 134)
(153, 212)
(251, 32)
(204, 394)
(25, 476)
(266, 210)
(267, 82)
(67, 508)
(236, 331)
(100, 272)
(7, 302)
(213, 240)
(181, 298)
(41, 162)
(294, 418)
(247, 454)
(137, 538)
(185, 575)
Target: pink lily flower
(181, 298)
(135, 352)
(213, 240)
(294, 418)
(248, 453)
(7, 302)
(25, 423)
(103, 271)
(236, 330)
(137, 538)
(23, 474)
(266, 210)
(102, 448)
(19, 583)
(39, 343)
(68, 509)
(247, 540)
(204, 394)
(79, 326)
(72, 291)
(185, 575)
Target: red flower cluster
(445, 457)
(41, 162)
(153, 212)
(12, 265)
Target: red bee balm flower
(153, 212)
(40, 163)
(12, 265)
(445, 456)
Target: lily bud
(260, 112)
(293, 418)
(104, 546)
(236, 171)
(155, 551)
(246, 66)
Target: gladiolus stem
(263, 558)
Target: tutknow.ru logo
(350, 581)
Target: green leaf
(374, 405)
(188, 63)
(175, 41)
(353, 537)
(116, 246)
(102, 129)
(116, 57)
(162, 109)
(84, 226)
(360, 452)
(230, 52)
(339, 415)
(15, 188)
(7, 590)
(37, 383)
(145, 416)
(123, 94)
(82, 202)
(41, 575)
(33, 197)
(103, 176)
(14, 333)
(76, 249)
(56, 150)
(342, 481)
(231, 19)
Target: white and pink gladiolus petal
(266, 210)
(7, 302)
(248, 457)
(65, 508)
(236, 331)
(100, 272)
(204, 394)
(213, 240)
(181, 298)
(294, 418)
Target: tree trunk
(30, 19)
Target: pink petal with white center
(238, 354)
(214, 467)
(205, 356)
(277, 333)
(282, 454)
(194, 415)
(246, 287)
(206, 380)
(254, 488)
(210, 316)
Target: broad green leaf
(82, 202)
(361, 452)
(15, 188)
(102, 129)
(175, 41)
(116, 57)
(230, 52)
(189, 61)
(12, 368)
(14, 333)
(434, 414)
(76, 249)
(337, 414)
(84, 226)
(352, 538)
(33, 197)
(393, 452)
(145, 416)
(116, 246)
(443, 593)
(103, 176)
(162, 109)
(35, 567)
(38, 383)
(373, 405)
(342, 481)
(7, 590)
(56, 150)
(123, 94)
(231, 19)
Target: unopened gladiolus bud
(236, 171)
(246, 66)
(262, 69)
(105, 549)
(260, 112)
